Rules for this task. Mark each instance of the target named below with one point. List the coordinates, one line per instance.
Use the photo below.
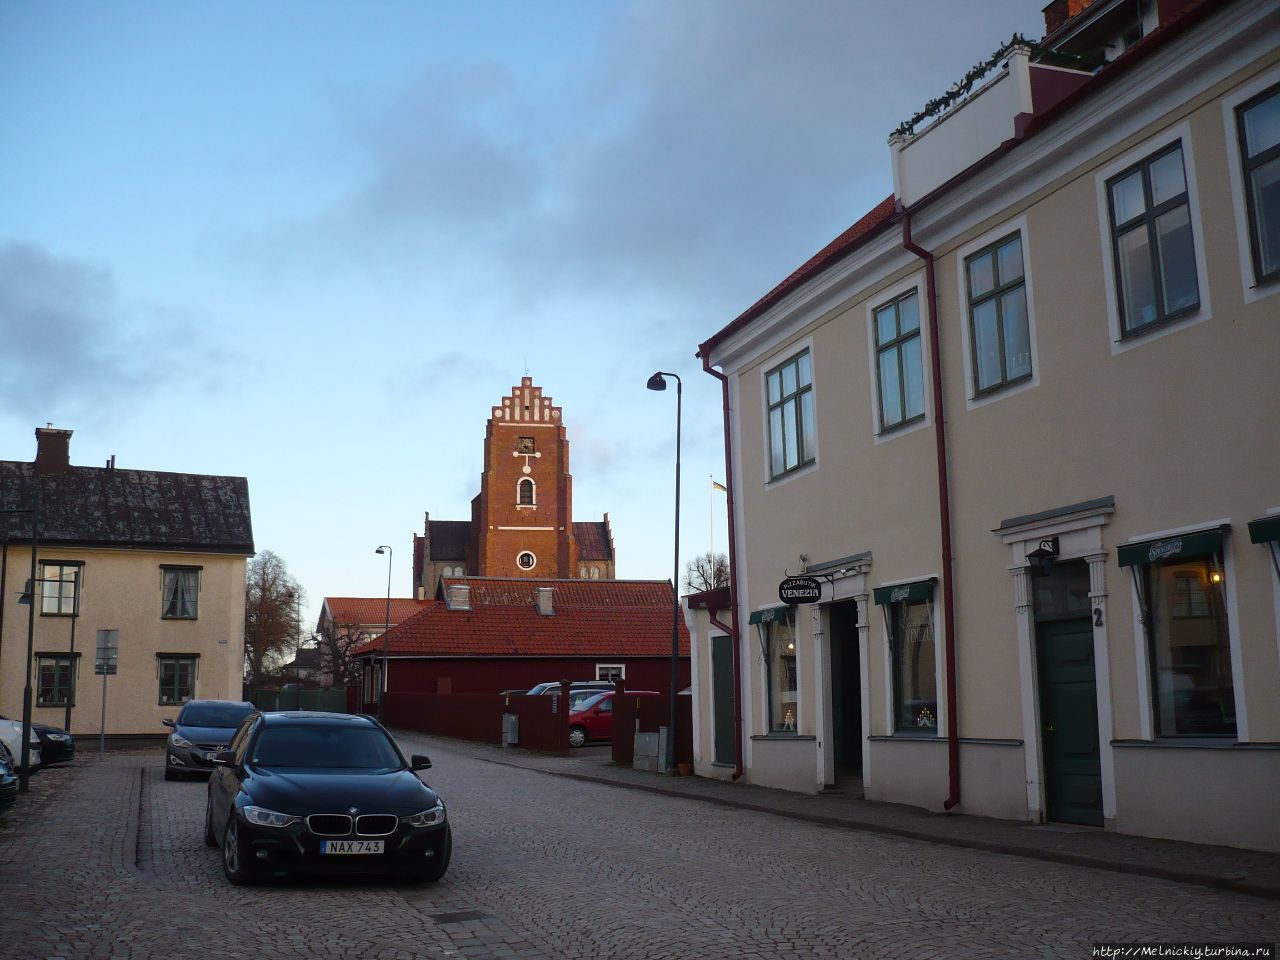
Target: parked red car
(592, 719)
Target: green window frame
(899, 361)
(1258, 129)
(60, 588)
(791, 430)
(180, 593)
(1153, 242)
(177, 678)
(999, 321)
(55, 680)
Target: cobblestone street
(109, 861)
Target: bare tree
(707, 571)
(272, 601)
(336, 642)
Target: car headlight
(427, 818)
(268, 818)
(178, 741)
(58, 736)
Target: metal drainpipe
(944, 512)
(733, 576)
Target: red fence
(541, 727)
(468, 716)
(633, 715)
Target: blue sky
(312, 244)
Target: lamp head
(657, 382)
(381, 550)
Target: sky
(312, 244)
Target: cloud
(72, 349)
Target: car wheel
(210, 838)
(577, 736)
(233, 861)
(439, 864)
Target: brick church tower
(522, 520)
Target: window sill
(897, 428)
(987, 393)
(162, 617)
(783, 736)
(1197, 743)
(781, 478)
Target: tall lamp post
(658, 382)
(386, 641)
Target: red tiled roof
(370, 610)
(593, 540)
(593, 618)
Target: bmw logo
(353, 810)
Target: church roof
(594, 542)
(592, 618)
(449, 538)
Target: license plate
(210, 754)
(351, 846)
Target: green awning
(1264, 529)
(1171, 548)
(765, 616)
(919, 590)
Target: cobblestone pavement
(108, 860)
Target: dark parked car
(323, 793)
(56, 744)
(202, 729)
(8, 783)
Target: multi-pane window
(55, 680)
(998, 328)
(792, 432)
(782, 678)
(524, 492)
(1189, 646)
(58, 588)
(610, 671)
(181, 588)
(899, 367)
(1258, 121)
(915, 677)
(177, 679)
(1152, 242)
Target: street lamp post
(386, 641)
(658, 382)
(24, 760)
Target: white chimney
(544, 602)
(457, 596)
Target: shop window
(792, 427)
(1152, 242)
(1258, 123)
(778, 647)
(177, 679)
(999, 331)
(59, 588)
(908, 616)
(899, 365)
(55, 680)
(181, 591)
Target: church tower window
(525, 492)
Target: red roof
(593, 618)
(370, 610)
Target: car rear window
(213, 715)
(347, 748)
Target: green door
(1069, 721)
(722, 697)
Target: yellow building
(1020, 423)
(154, 561)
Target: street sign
(795, 590)
(108, 652)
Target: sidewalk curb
(1216, 881)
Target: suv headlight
(179, 741)
(58, 736)
(268, 818)
(427, 818)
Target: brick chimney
(544, 601)
(1059, 12)
(53, 451)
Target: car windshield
(590, 701)
(213, 715)
(579, 700)
(348, 748)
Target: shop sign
(795, 590)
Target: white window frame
(620, 667)
(1166, 138)
(916, 282)
(530, 553)
(534, 502)
(1017, 225)
(1146, 705)
(780, 358)
(1235, 168)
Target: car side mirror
(168, 723)
(420, 761)
(225, 758)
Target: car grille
(376, 825)
(329, 824)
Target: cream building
(156, 558)
(1052, 351)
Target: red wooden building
(488, 634)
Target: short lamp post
(386, 641)
(658, 382)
